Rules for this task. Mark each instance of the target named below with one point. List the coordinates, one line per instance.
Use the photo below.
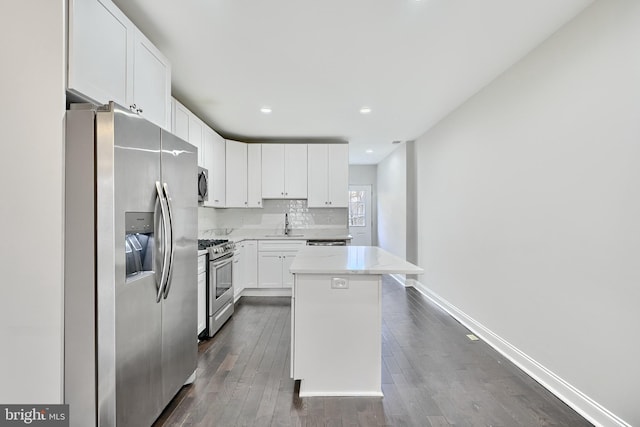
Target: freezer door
(179, 305)
(136, 168)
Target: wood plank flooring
(432, 375)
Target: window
(357, 212)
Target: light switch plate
(339, 283)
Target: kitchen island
(336, 318)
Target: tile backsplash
(271, 217)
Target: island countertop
(350, 260)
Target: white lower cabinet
(237, 270)
(274, 260)
(287, 276)
(270, 267)
(202, 293)
(250, 258)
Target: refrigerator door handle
(164, 274)
(167, 287)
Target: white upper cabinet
(284, 171)
(295, 171)
(273, 171)
(196, 136)
(151, 82)
(328, 175)
(338, 174)
(318, 171)
(180, 120)
(100, 51)
(243, 175)
(236, 174)
(254, 175)
(110, 60)
(214, 148)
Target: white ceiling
(316, 63)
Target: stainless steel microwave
(203, 184)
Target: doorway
(360, 214)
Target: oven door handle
(222, 261)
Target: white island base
(336, 318)
(336, 337)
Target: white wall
(529, 206)
(31, 211)
(392, 202)
(367, 175)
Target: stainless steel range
(220, 283)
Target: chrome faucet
(287, 230)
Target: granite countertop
(350, 260)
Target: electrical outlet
(339, 283)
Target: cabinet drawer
(280, 245)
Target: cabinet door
(338, 175)
(217, 197)
(180, 120)
(196, 137)
(254, 175)
(237, 270)
(270, 268)
(317, 176)
(287, 276)
(100, 51)
(295, 171)
(272, 171)
(213, 151)
(250, 257)
(202, 293)
(151, 82)
(236, 176)
(202, 301)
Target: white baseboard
(573, 397)
(263, 292)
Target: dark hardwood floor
(432, 375)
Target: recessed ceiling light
(365, 110)
(265, 110)
(369, 151)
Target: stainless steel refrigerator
(130, 267)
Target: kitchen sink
(284, 235)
